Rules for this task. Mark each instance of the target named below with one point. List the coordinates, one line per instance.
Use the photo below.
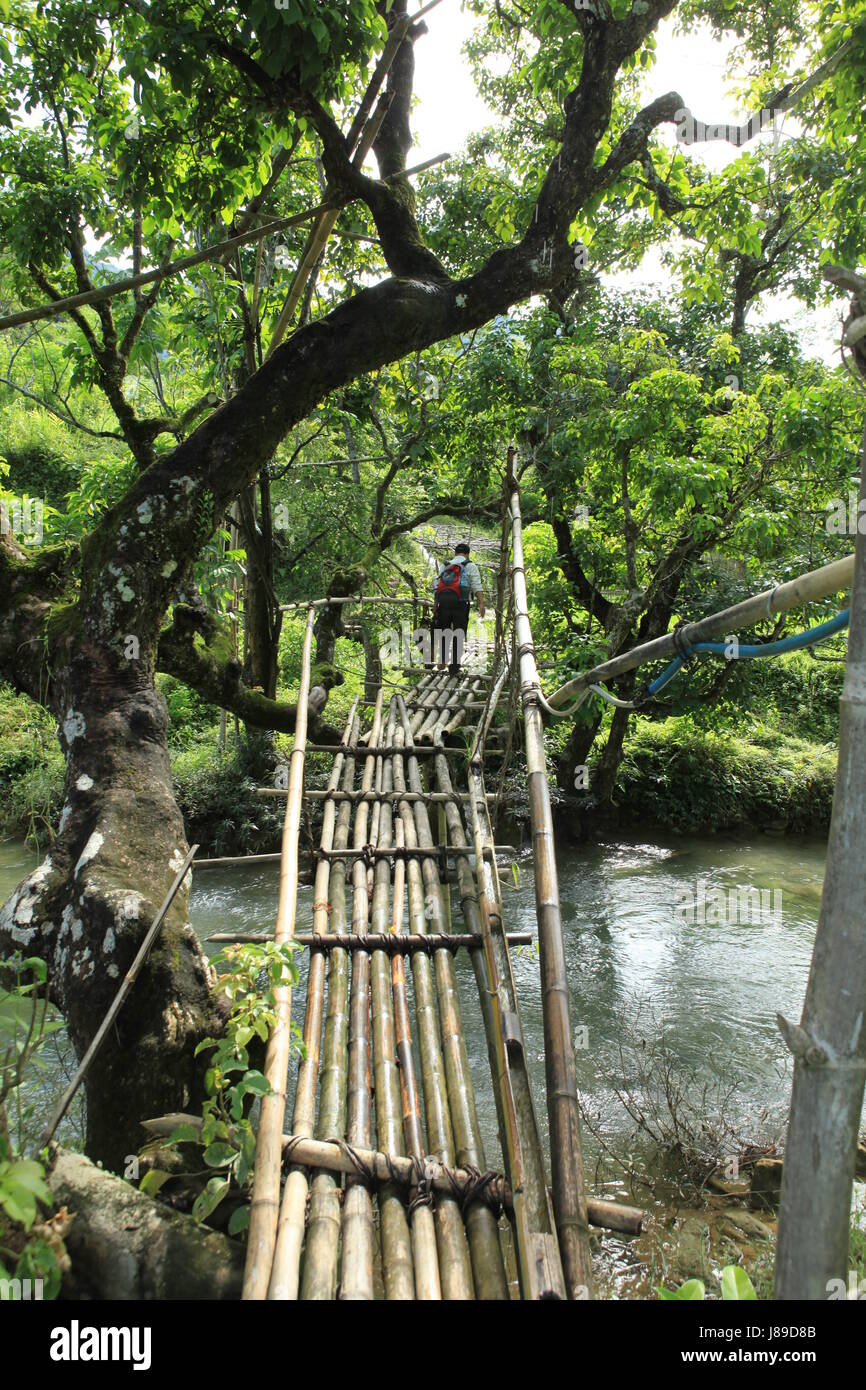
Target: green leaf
(257, 1083)
(736, 1285)
(691, 1290)
(153, 1180)
(218, 1155)
(239, 1221)
(207, 1201)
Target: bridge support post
(566, 1158)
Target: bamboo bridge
(377, 1181)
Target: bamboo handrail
(569, 1199)
(117, 1002)
(816, 584)
(264, 1207)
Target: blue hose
(750, 650)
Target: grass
(691, 780)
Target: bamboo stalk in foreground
(566, 1159)
(397, 1262)
(455, 1267)
(427, 1282)
(321, 1255)
(356, 1265)
(487, 1263)
(264, 1208)
(285, 1275)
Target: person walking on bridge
(454, 588)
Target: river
(639, 966)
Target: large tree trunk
(829, 1044)
(119, 844)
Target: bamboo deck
(375, 1181)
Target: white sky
(449, 108)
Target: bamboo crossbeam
(362, 749)
(409, 601)
(322, 794)
(382, 941)
(816, 584)
(265, 1203)
(560, 1069)
(385, 1168)
(393, 852)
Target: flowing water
(637, 962)
(639, 965)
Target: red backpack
(452, 580)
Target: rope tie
(322, 905)
(423, 1195)
(475, 1188)
(681, 646)
(365, 1171)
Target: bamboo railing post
(829, 1044)
(569, 1199)
(264, 1207)
(539, 1265)
(285, 1275)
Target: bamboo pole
(569, 1199)
(428, 1286)
(806, 588)
(319, 1273)
(487, 1263)
(117, 1002)
(539, 1265)
(356, 1266)
(378, 941)
(362, 796)
(829, 1044)
(264, 1207)
(313, 1153)
(337, 602)
(397, 1261)
(285, 1274)
(455, 1267)
(210, 253)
